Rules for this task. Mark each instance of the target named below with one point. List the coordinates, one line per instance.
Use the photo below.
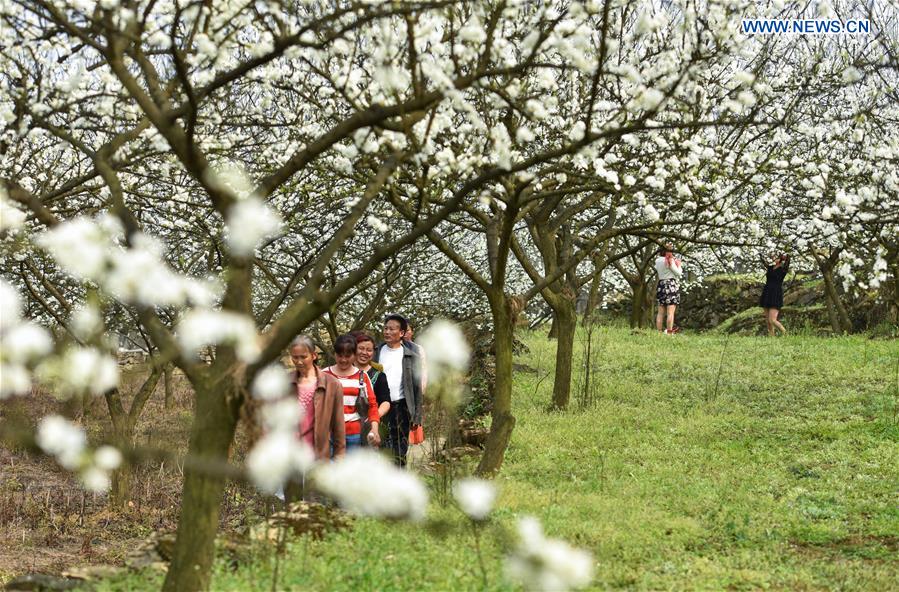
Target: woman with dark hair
(772, 299)
(360, 417)
(365, 350)
(669, 270)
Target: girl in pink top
(303, 356)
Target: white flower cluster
(446, 347)
(278, 456)
(271, 383)
(80, 370)
(67, 442)
(201, 327)
(60, 438)
(539, 563)
(376, 223)
(11, 217)
(88, 249)
(249, 222)
(368, 484)
(21, 344)
(475, 497)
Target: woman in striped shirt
(355, 383)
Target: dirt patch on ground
(49, 524)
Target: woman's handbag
(362, 409)
(416, 435)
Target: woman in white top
(669, 269)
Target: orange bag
(417, 435)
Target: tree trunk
(893, 294)
(638, 305)
(839, 317)
(593, 299)
(648, 302)
(503, 420)
(567, 322)
(120, 490)
(169, 387)
(123, 424)
(553, 327)
(217, 412)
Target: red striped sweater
(350, 386)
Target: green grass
(784, 477)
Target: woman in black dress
(773, 293)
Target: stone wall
(707, 304)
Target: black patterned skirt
(668, 292)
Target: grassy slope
(788, 478)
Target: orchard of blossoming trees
(230, 173)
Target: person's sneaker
(676, 330)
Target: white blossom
(851, 74)
(648, 99)
(10, 216)
(502, 146)
(475, 497)
(249, 222)
(85, 322)
(446, 348)
(270, 383)
(746, 98)
(201, 327)
(10, 305)
(277, 457)
(14, 380)
(368, 484)
(80, 370)
(524, 135)
(160, 39)
(230, 177)
(107, 458)
(576, 134)
(539, 563)
(651, 213)
(25, 342)
(60, 438)
(138, 274)
(95, 479)
(647, 23)
(80, 246)
(377, 224)
(281, 415)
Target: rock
(41, 583)
(153, 552)
(460, 452)
(474, 436)
(300, 518)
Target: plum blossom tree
(165, 151)
(222, 174)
